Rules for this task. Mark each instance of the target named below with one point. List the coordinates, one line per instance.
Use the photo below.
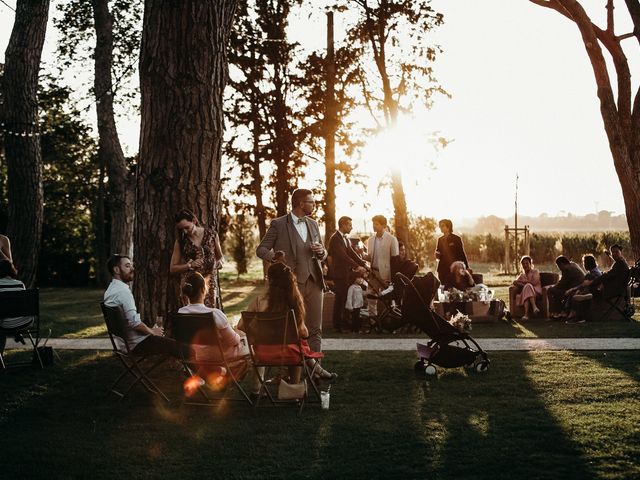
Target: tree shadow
(497, 426)
(382, 423)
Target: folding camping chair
(199, 329)
(134, 365)
(620, 301)
(270, 336)
(15, 304)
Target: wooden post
(507, 257)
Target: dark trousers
(356, 321)
(156, 345)
(556, 297)
(340, 288)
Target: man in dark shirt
(572, 276)
(613, 281)
(343, 260)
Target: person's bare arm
(178, 265)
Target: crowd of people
(301, 267)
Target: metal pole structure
(330, 134)
(515, 249)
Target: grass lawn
(533, 415)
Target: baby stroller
(389, 314)
(448, 347)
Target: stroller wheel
(482, 367)
(430, 370)
(419, 366)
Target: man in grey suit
(295, 240)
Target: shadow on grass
(481, 428)
(383, 423)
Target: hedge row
(544, 247)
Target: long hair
(188, 215)
(283, 293)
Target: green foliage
(574, 246)
(543, 247)
(70, 187)
(421, 239)
(394, 37)
(611, 238)
(76, 42)
(242, 241)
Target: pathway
(404, 344)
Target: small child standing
(355, 301)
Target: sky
(523, 103)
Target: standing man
(343, 260)
(381, 247)
(295, 240)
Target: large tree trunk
(22, 150)
(121, 195)
(183, 71)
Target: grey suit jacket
(280, 236)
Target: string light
(20, 132)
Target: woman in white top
(234, 343)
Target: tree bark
(183, 72)
(22, 149)
(121, 192)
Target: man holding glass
(141, 339)
(295, 240)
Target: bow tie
(301, 220)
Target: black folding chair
(199, 329)
(15, 304)
(277, 330)
(134, 365)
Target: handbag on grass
(291, 391)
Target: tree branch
(634, 10)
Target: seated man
(141, 339)
(572, 276)
(8, 282)
(614, 281)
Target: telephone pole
(330, 134)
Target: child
(355, 301)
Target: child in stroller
(448, 347)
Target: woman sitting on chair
(234, 345)
(529, 287)
(461, 278)
(283, 295)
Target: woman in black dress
(448, 250)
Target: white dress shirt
(301, 227)
(119, 295)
